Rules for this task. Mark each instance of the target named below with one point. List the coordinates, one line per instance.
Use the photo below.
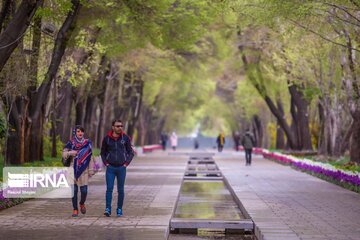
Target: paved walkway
(284, 204)
(151, 190)
(288, 204)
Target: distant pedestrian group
(247, 141)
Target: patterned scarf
(83, 157)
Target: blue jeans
(120, 174)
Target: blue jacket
(116, 151)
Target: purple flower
(333, 174)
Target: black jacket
(116, 151)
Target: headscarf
(84, 148)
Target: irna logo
(34, 180)
(41, 182)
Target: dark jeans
(248, 156)
(120, 174)
(83, 190)
(220, 148)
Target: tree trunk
(280, 139)
(102, 82)
(36, 138)
(300, 117)
(355, 138)
(5, 13)
(11, 36)
(100, 129)
(62, 38)
(105, 101)
(80, 56)
(135, 104)
(15, 144)
(37, 105)
(353, 93)
(322, 141)
(79, 109)
(63, 111)
(53, 136)
(262, 91)
(35, 51)
(258, 129)
(90, 117)
(53, 122)
(346, 140)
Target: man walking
(116, 154)
(163, 139)
(248, 144)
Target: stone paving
(151, 190)
(283, 203)
(289, 204)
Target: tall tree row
(168, 66)
(70, 65)
(279, 43)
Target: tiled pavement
(286, 204)
(283, 203)
(152, 186)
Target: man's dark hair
(115, 121)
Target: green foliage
(96, 151)
(215, 118)
(345, 164)
(48, 146)
(311, 93)
(166, 24)
(54, 11)
(271, 129)
(48, 162)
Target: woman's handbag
(66, 162)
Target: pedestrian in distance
(196, 143)
(220, 140)
(163, 140)
(174, 141)
(237, 139)
(116, 154)
(248, 143)
(77, 154)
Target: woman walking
(79, 150)
(174, 140)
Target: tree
(11, 36)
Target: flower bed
(324, 170)
(9, 202)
